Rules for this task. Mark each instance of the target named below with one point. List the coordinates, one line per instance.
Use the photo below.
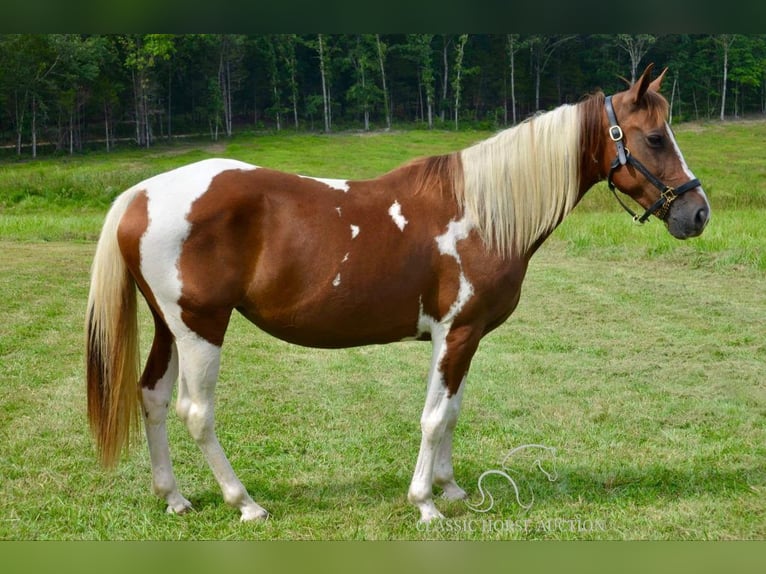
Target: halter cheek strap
(668, 195)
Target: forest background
(68, 93)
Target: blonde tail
(112, 352)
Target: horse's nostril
(701, 216)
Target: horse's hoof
(252, 513)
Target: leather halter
(668, 194)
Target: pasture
(638, 358)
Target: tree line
(69, 91)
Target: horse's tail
(112, 354)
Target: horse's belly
(335, 317)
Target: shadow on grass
(623, 486)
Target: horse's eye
(654, 140)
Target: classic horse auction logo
(505, 472)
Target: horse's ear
(657, 83)
(638, 89)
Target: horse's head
(645, 163)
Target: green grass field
(639, 358)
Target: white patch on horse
(456, 231)
(354, 231)
(447, 243)
(685, 167)
(336, 281)
(395, 211)
(339, 184)
(339, 212)
(345, 258)
(170, 199)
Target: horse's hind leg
(199, 364)
(157, 383)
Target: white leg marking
(155, 402)
(433, 423)
(440, 413)
(444, 474)
(395, 211)
(199, 365)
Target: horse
(434, 250)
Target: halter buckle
(615, 132)
(669, 195)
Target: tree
(142, 54)
(288, 56)
(636, 45)
(513, 46)
(382, 48)
(746, 70)
(446, 43)
(725, 41)
(542, 48)
(69, 89)
(79, 60)
(456, 85)
(230, 53)
(324, 72)
(271, 52)
(363, 94)
(418, 49)
(16, 59)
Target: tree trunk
(34, 126)
(106, 125)
(383, 81)
(20, 113)
(170, 100)
(726, 41)
(136, 107)
(725, 77)
(512, 56)
(71, 132)
(325, 91)
(445, 77)
(224, 81)
(292, 64)
(672, 99)
(458, 72)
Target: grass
(638, 357)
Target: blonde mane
(519, 184)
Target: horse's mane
(519, 184)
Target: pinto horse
(436, 249)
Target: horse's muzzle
(688, 215)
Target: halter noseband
(668, 194)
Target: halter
(668, 194)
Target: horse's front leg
(444, 474)
(452, 353)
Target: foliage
(70, 91)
